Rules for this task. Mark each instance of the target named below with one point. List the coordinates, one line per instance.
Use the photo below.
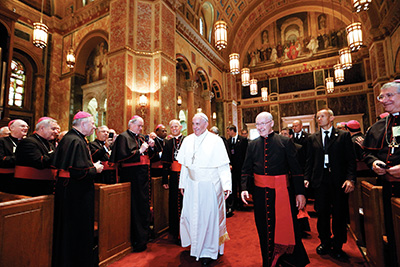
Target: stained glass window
(17, 84)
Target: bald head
(18, 129)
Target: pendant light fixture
(234, 63)
(354, 36)
(339, 73)
(264, 94)
(221, 35)
(245, 76)
(40, 34)
(345, 58)
(253, 87)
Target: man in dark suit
(331, 170)
(300, 136)
(238, 147)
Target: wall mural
(293, 37)
(96, 65)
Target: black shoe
(229, 214)
(205, 261)
(339, 255)
(323, 249)
(140, 248)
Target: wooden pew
(356, 210)
(159, 203)
(113, 217)
(374, 223)
(26, 230)
(396, 223)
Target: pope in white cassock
(205, 183)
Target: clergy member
(132, 151)
(270, 158)
(74, 196)
(8, 146)
(100, 149)
(205, 183)
(172, 168)
(33, 159)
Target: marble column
(141, 62)
(190, 87)
(207, 95)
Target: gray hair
(133, 120)
(264, 113)
(77, 122)
(174, 121)
(44, 123)
(395, 84)
(215, 130)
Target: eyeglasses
(381, 97)
(263, 123)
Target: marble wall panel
(101, 24)
(168, 31)
(143, 75)
(131, 23)
(39, 98)
(381, 60)
(118, 22)
(157, 10)
(168, 93)
(116, 116)
(157, 105)
(144, 21)
(373, 62)
(130, 86)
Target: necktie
(297, 136)
(326, 141)
(233, 140)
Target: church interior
(169, 59)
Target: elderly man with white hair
(33, 159)
(132, 151)
(205, 183)
(8, 145)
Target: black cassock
(170, 151)
(35, 152)
(74, 202)
(126, 152)
(99, 153)
(8, 146)
(274, 155)
(379, 144)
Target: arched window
(201, 27)
(16, 93)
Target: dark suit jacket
(303, 140)
(341, 158)
(7, 156)
(239, 149)
(98, 152)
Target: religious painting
(295, 37)
(96, 64)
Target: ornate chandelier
(339, 73)
(245, 76)
(40, 32)
(221, 35)
(345, 58)
(253, 87)
(354, 36)
(264, 94)
(234, 63)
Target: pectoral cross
(393, 146)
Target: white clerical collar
(395, 114)
(176, 137)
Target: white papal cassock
(205, 175)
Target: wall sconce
(199, 110)
(143, 103)
(164, 80)
(179, 100)
(214, 115)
